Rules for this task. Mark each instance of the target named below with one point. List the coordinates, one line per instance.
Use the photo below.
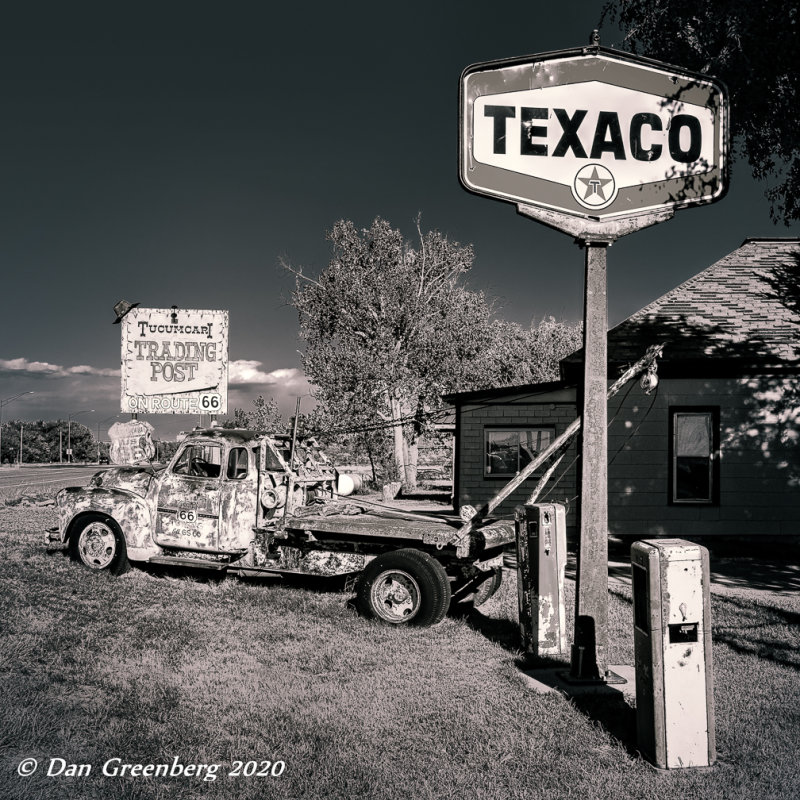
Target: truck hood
(130, 479)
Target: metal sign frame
(667, 94)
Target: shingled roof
(741, 313)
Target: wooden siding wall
(759, 459)
(759, 468)
(475, 489)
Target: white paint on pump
(672, 642)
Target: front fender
(129, 511)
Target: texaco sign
(592, 132)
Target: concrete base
(551, 680)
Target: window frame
(487, 429)
(714, 457)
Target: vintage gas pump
(541, 561)
(672, 644)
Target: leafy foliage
(518, 355)
(753, 47)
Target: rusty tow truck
(252, 503)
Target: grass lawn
(155, 666)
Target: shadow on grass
(613, 714)
(604, 706)
(766, 632)
(500, 631)
(313, 583)
(57, 550)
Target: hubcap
(97, 545)
(395, 596)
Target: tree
(389, 328)
(44, 441)
(517, 355)
(265, 416)
(753, 47)
(385, 326)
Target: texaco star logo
(594, 186)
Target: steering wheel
(199, 468)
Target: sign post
(597, 144)
(590, 643)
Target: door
(188, 511)
(239, 499)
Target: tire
(98, 543)
(477, 590)
(488, 587)
(404, 587)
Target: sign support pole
(590, 643)
(588, 660)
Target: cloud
(245, 372)
(241, 372)
(22, 365)
(58, 391)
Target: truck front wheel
(404, 587)
(98, 543)
(477, 589)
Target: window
(199, 461)
(508, 450)
(694, 444)
(237, 464)
(272, 461)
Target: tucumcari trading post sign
(174, 361)
(592, 132)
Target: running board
(188, 562)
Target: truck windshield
(199, 461)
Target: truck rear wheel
(98, 543)
(404, 587)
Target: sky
(175, 153)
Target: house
(714, 450)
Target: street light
(69, 430)
(2, 404)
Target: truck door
(189, 499)
(239, 499)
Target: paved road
(38, 474)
